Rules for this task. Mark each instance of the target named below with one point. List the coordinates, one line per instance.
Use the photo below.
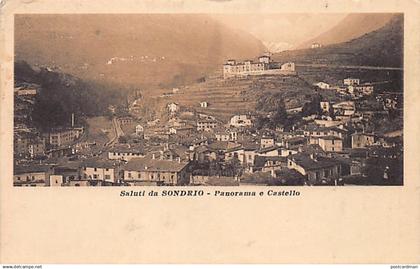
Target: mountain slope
(382, 47)
(141, 50)
(352, 26)
(60, 95)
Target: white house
(56, 180)
(288, 66)
(362, 140)
(267, 142)
(173, 107)
(226, 135)
(126, 153)
(139, 129)
(325, 106)
(99, 170)
(240, 121)
(328, 143)
(351, 81)
(316, 45)
(346, 108)
(204, 104)
(322, 85)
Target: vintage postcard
(209, 132)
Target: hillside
(382, 47)
(229, 97)
(61, 95)
(142, 50)
(352, 26)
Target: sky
(285, 30)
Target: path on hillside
(117, 132)
(366, 67)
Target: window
(332, 141)
(129, 174)
(95, 176)
(94, 169)
(106, 169)
(108, 177)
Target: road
(350, 67)
(117, 132)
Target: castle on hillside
(264, 66)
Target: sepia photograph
(214, 132)
(306, 99)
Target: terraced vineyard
(226, 98)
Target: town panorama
(196, 100)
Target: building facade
(63, 137)
(98, 170)
(167, 172)
(249, 68)
(240, 121)
(362, 140)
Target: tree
(233, 168)
(279, 117)
(214, 168)
(261, 122)
(312, 107)
(48, 116)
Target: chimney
(72, 119)
(153, 157)
(178, 159)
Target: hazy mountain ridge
(351, 27)
(275, 47)
(130, 49)
(382, 47)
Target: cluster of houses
(193, 148)
(350, 86)
(55, 143)
(315, 153)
